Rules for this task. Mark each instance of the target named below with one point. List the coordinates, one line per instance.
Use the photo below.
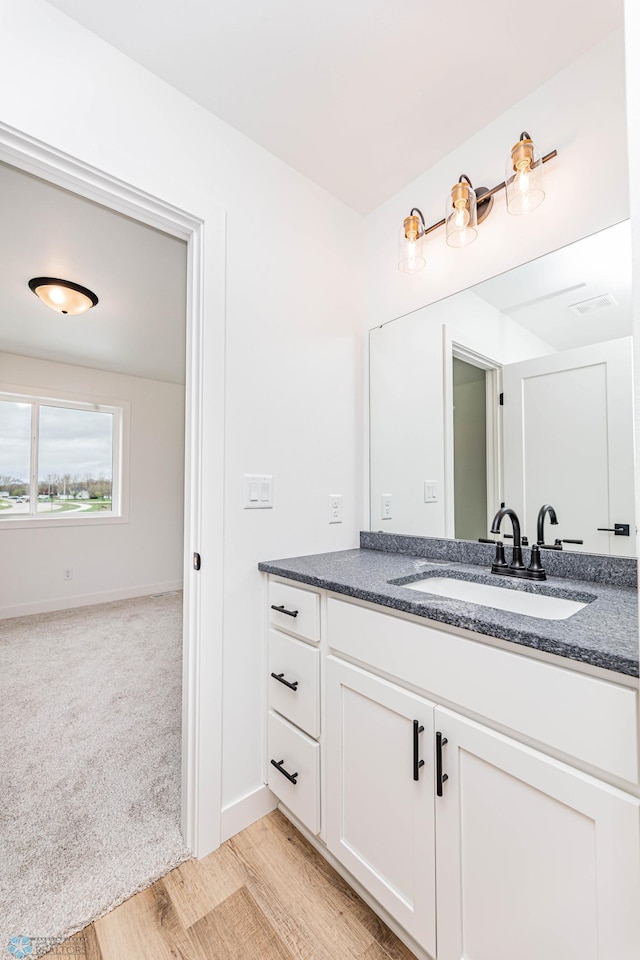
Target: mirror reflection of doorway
(470, 450)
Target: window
(60, 460)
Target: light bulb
(57, 295)
(461, 217)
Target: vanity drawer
(299, 665)
(301, 757)
(301, 610)
(584, 717)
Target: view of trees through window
(55, 459)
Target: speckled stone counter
(604, 633)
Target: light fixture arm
(417, 210)
(484, 196)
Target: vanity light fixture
(467, 207)
(64, 296)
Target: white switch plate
(258, 492)
(385, 512)
(67, 573)
(335, 508)
(430, 491)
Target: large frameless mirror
(517, 391)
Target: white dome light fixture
(63, 296)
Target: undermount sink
(485, 595)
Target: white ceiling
(538, 294)
(137, 272)
(361, 96)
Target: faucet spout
(516, 560)
(545, 509)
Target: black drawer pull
(417, 763)
(290, 776)
(280, 678)
(281, 609)
(440, 776)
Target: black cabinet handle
(280, 678)
(440, 776)
(417, 763)
(281, 609)
(291, 777)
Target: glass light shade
(63, 296)
(461, 215)
(524, 178)
(411, 257)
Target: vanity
(453, 722)
(473, 772)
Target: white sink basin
(514, 601)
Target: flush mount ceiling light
(64, 296)
(467, 207)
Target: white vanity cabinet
(525, 854)
(380, 798)
(487, 800)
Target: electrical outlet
(67, 573)
(335, 508)
(386, 506)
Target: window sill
(82, 520)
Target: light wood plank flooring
(266, 894)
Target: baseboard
(246, 811)
(88, 599)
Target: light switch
(430, 491)
(258, 492)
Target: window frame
(120, 410)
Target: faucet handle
(535, 568)
(500, 562)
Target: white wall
(581, 113)
(109, 561)
(292, 361)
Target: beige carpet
(90, 720)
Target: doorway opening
(473, 449)
(203, 454)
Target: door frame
(454, 348)
(204, 457)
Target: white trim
(204, 455)
(88, 599)
(242, 813)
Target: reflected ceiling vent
(604, 302)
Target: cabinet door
(534, 859)
(379, 816)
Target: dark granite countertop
(604, 633)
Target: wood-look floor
(266, 894)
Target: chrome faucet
(535, 570)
